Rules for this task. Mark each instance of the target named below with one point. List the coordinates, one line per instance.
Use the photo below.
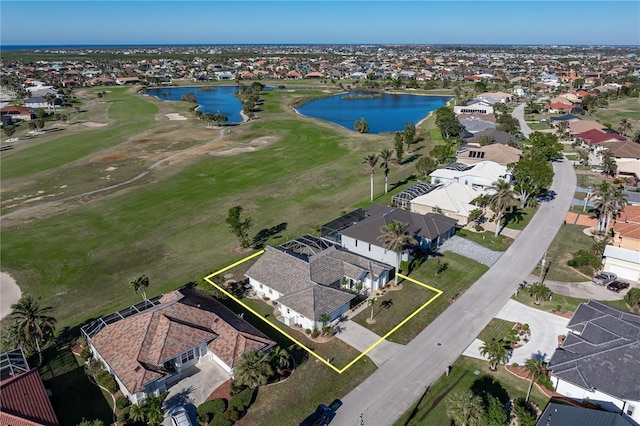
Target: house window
(630, 410)
(187, 356)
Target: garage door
(624, 273)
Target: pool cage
(307, 245)
(332, 229)
(94, 327)
(402, 199)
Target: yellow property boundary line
(209, 279)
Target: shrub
(210, 409)
(235, 387)
(524, 412)
(545, 381)
(122, 402)
(85, 353)
(220, 421)
(232, 414)
(461, 233)
(585, 262)
(106, 380)
(633, 298)
(243, 398)
(123, 417)
(479, 228)
(307, 331)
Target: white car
(597, 170)
(180, 417)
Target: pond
(383, 112)
(211, 99)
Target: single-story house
(305, 287)
(470, 109)
(627, 156)
(452, 200)
(568, 415)
(17, 112)
(599, 359)
(127, 80)
(498, 136)
(597, 137)
(475, 125)
(495, 96)
(428, 229)
(23, 400)
(581, 126)
(147, 352)
(496, 152)
(480, 175)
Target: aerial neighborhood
(184, 243)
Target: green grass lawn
(132, 114)
(538, 126)
(487, 239)
(568, 240)
(496, 329)
(617, 110)
(431, 407)
(461, 273)
(519, 218)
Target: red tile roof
(597, 136)
(559, 105)
(137, 347)
(24, 401)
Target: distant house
(17, 112)
(627, 156)
(476, 125)
(429, 230)
(497, 136)
(127, 80)
(581, 126)
(599, 360)
(23, 397)
(452, 200)
(595, 137)
(470, 109)
(498, 96)
(314, 75)
(305, 285)
(496, 152)
(480, 175)
(147, 351)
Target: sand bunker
(10, 293)
(93, 124)
(232, 151)
(175, 116)
(263, 140)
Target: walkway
(392, 389)
(545, 329)
(117, 185)
(471, 249)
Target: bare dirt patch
(232, 151)
(263, 140)
(175, 117)
(112, 157)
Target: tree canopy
(545, 144)
(238, 226)
(531, 175)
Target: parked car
(617, 286)
(180, 417)
(320, 417)
(605, 278)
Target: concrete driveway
(582, 290)
(197, 384)
(545, 329)
(362, 339)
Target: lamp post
(542, 263)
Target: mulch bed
(222, 392)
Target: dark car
(617, 286)
(604, 278)
(320, 417)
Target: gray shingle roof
(428, 226)
(281, 271)
(566, 415)
(315, 301)
(603, 352)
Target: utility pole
(542, 263)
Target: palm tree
(385, 158)
(496, 351)
(502, 200)
(139, 285)
(625, 126)
(370, 162)
(465, 408)
(609, 200)
(540, 292)
(32, 322)
(395, 237)
(371, 302)
(154, 415)
(281, 358)
(137, 413)
(50, 98)
(325, 318)
(535, 367)
(253, 369)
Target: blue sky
(56, 22)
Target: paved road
(388, 393)
(518, 112)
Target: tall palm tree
(253, 369)
(395, 237)
(496, 351)
(535, 366)
(625, 126)
(32, 322)
(370, 162)
(465, 408)
(502, 200)
(325, 318)
(139, 285)
(609, 200)
(539, 292)
(385, 158)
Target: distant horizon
(320, 22)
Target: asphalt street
(389, 392)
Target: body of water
(384, 113)
(211, 99)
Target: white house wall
(624, 269)
(372, 251)
(606, 401)
(263, 290)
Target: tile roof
(595, 136)
(281, 270)
(428, 226)
(137, 347)
(603, 352)
(24, 401)
(315, 301)
(625, 149)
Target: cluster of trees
(256, 368)
(448, 123)
(370, 162)
(148, 412)
(589, 260)
(361, 126)
(218, 118)
(250, 97)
